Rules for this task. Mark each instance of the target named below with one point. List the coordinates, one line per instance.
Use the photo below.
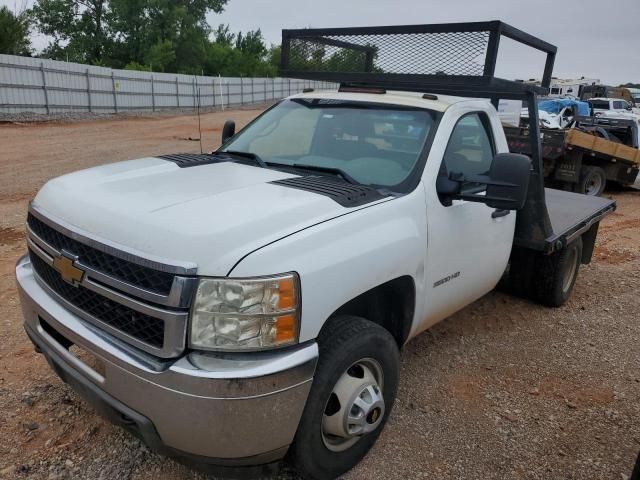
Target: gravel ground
(503, 389)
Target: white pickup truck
(235, 307)
(614, 107)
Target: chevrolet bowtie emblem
(67, 270)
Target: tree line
(154, 35)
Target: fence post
(193, 89)
(44, 87)
(113, 86)
(153, 94)
(289, 87)
(88, 89)
(241, 92)
(177, 93)
(273, 88)
(253, 90)
(228, 95)
(213, 92)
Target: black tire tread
(336, 336)
(521, 272)
(548, 288)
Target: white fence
(49, 86)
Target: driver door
(468, 243)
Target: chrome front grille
(144, 277)
(145, 328)
(138, 300)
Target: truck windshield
(374, 144)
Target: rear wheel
(558, 273)
(353, 390)
(593, 180)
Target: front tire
(353, 391)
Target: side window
(470, 150)
(618, 105)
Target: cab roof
(408, 99)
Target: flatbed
(572, 214)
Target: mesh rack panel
(456, 53)
(411, 57)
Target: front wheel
(353, 391)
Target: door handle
(498, 212)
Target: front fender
(339, 259)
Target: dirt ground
(503, 389)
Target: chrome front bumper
(226, 409)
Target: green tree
(273, 57)
(129, 18)
(118, 32)
(160, 56)
(158, 35)
(137, 66)
(78, 28)
(14, 32)
(242, 54)
(145, 25)
(251, 44)
(223, 35)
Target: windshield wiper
(336, 171)
(249, 155)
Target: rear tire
(345, 343)
(593, 181)
(557, 274)
(522, 267)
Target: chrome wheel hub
(594, 185)
(355, 407)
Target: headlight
(245, 314)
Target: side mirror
(228, 130)
(507, 183)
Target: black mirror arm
(470, 197)
(483, 179)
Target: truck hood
(208, 216)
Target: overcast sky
(595, 38)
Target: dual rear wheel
(546, 279)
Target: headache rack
(450, 59)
